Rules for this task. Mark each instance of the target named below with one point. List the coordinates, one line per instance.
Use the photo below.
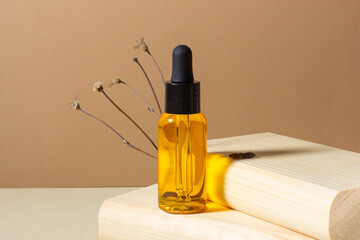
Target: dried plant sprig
(147, 78)
(101, 89)
(144, 47)
(76, 105)
(117, 80)
(98, 87)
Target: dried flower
(116, 80)
(142, 46)
(75, 105)
(98, 87)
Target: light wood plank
(136, 216)
(307, 187)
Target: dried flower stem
(126, 115)
(162, 77)
(144, 47)
(107, 125)
(152, 89)
(151, 109)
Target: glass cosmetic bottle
(182, 138)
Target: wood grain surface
(136, 216)
(307, 187)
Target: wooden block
(136, 216)
(307, 187)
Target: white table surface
(53, 213)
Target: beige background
(289, 67)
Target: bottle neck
(182, 98)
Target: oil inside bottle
(182, 163)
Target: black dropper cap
(182, 92)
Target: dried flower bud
(98, 87)
(142, 46)
(75, 105)
(116, 80)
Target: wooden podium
(292, 189)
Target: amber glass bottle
(182, 141)
(182, 163)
